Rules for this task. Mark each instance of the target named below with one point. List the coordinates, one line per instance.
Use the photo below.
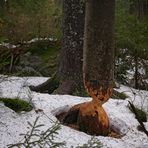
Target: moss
(16, 104)
(49, 53)
(141, 114)
(118, 95)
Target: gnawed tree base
(100, 92)
(72, 119)
(89, 118)
(93, 119)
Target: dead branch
(138, 119)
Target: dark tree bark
(69, 73)
(70, 68)
(99, 44)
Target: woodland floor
(47, 106)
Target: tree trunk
(69, 72)
(98, 64)
(70, 67)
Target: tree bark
(70, 67)
(69, 72)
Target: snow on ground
(138, 97)
(121, 119)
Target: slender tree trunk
(136, 69)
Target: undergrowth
(16, 104)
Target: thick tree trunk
(69, 73)
(98, 64)
(70, 68)
(99, 44)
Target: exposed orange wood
(92, 117)
(99, 95)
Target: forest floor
(46, 107)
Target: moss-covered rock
(16, 104)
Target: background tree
(139, 9)
(131, 41)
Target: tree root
(49, 86)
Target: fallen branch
(138, 119)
